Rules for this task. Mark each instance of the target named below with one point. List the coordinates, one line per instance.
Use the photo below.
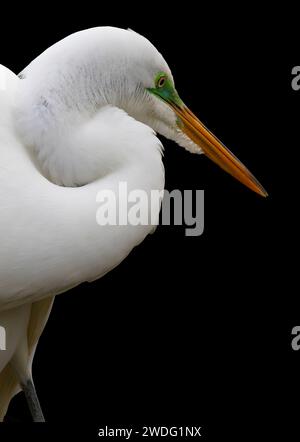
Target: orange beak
(215, 150)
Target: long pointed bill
(215, 150)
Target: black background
(187, 330)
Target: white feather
(79, 116)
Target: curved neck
(61, 113)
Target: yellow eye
(161, 81)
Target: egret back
(28, 320)
(8, 84)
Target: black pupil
(161, 82)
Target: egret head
(152, 98)
(163, 110)
(104, 66)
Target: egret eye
(161, 81)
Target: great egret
(81, 117)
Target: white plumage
(60, 124)
(80, 118)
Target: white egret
(81, 117)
